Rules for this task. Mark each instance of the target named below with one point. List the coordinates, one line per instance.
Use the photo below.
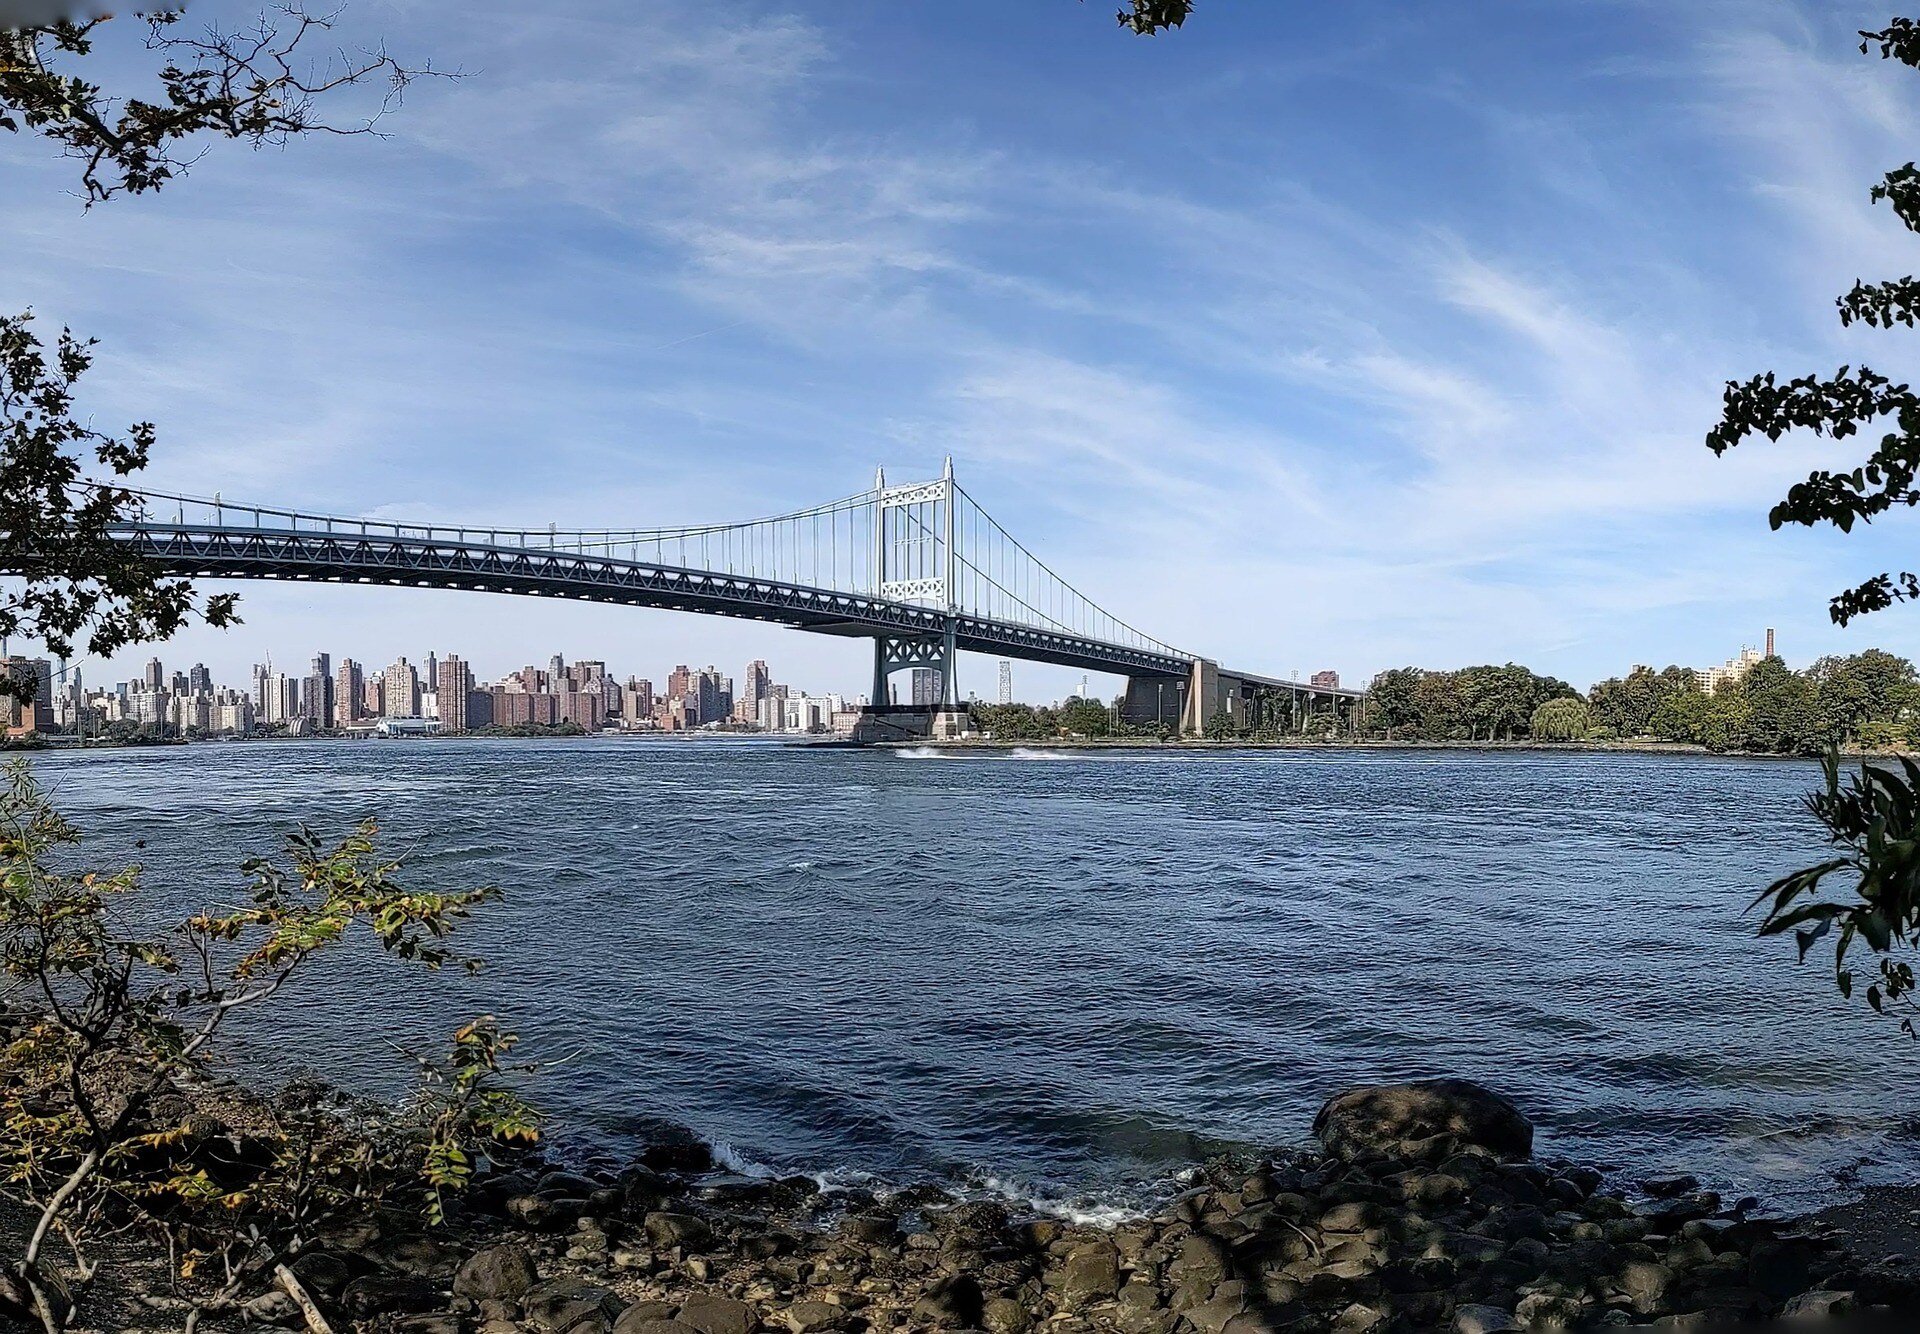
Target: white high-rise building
(1006, 681)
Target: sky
(1307, 336)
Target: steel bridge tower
(915, 560)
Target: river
(1068, 975)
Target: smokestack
(1769, 641)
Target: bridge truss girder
(207, 552)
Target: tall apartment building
(374, 701)
(199, 680)
(316, 695)
(1006, 681)
(402, 690)
(283, 698)
(636, 702)
(452, 685)
(755, 683)
(349, 694)
(156, 677)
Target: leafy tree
(1563, 719)
(1084, 717)
(1011, 722)
(1681, 716)
(1438, 697)
(254, 84)
(56, 528)
(1851, 692)
(125, 1017)
(1147, 17)
(72, 583)
(1875, 822)
(1626, 706)
(1840, 405)
(1780, 714)
(1393, 701)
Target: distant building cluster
(440, 694)
(1734, 669)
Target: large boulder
(1428, 1119)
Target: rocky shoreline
(1422, 1210)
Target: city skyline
(1362, 443)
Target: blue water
(1070, 974)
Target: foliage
(1840, 405)
(75, 582)
(461, 1102)
(1485, 703)
(1626, 706)
(77, 585)
(1563, 719)
(1392, 702)
(1875, 820)
(94, 1142)
(1015, 722)
(566, 728)
(1083, 717)
(1147, 17)
(252, 84)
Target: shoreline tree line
(1868, 701)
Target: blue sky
(1308, 336)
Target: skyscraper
(316, 692)
(199, 680)
(452, 685)
(156, 678)
(349, 705)
(1006, 681)
(754, 684)
(402, 690)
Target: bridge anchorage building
(920, 569)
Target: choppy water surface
(1073, 973)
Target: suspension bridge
(921, 569)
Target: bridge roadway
(443, 560)
(918, 626)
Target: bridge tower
(915, 559)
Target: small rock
(717, 1315)
(1003, 1315)
(1092, 1271)
(1665, 1188)
(1819, 1303)
(570, 1304)
(675, 1229)
(870, 1229)
(1361, 1318)
(1476, 1319)
(504, 1272)
(805, 1317)
(444, 1322)
(955, 1303)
